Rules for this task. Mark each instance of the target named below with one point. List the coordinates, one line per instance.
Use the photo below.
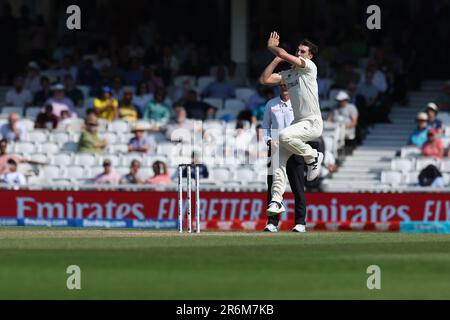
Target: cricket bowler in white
(301, 81)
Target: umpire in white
(278, 115)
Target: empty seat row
(399, 178)
(412, 164)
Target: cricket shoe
(299, 228)
(270, 228)
(275, 208)
(314, 167)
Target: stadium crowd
(162, 88)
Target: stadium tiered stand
(375, 166)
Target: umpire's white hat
(342, 95)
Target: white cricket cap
(432, 106)
(422, 116)
(342, 95)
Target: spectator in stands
(258, 112)
(117, 90)
(420, 134)
(179, 129)
(142, 96)
(433, 147)
(242, 141)
(139, 143)
(65, 121)
(379, 78)
(182, 93)
(257, 98)
(369, 91)
(12, 177)
(169, 65)
(443, 100)
(60, 102)
(87, 75)
(431, 177)
(236, 79)
(345, 75)
(101, 60)
(161, 174)
(135, 75)
(152, 80)
(258, 145)
(72, 92)
(132, 177)
(5, 156)
(44, 93)
(109, 175)
(220, 88)
(157, 110)
(196, 159)
(47, 119)
(13, 130)
(32, 79)
(89, 141)
(106, 107)
(68, 67)
(127, 110)
(196, 109)
(345, 113)
(433, 122)
(19, 96)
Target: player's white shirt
(303, 91)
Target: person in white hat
(420, 135)
(301, 81)
(139, 143)
(433, 122)
(345, 113)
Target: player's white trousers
(293, 141)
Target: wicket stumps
(188, 169)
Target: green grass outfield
(134, 264)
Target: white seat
(50, 172)
(70, 147)
(49, 148)
(11, 109)
(77, 125)
(203, 82)
(117, 148)
(32, 112)
(35, 180)
(421, 163)
(445, 165)
(215, 102)
(244, 94)
(125, 138)
(25, 168)
(37, 136)
(234, 104)
(244, 174)
(27, 124)
(410, 151)
(402, 164)
(145, 173)
(76, 172)
(412, 178)
(60, 137)
(85, 159)
(62, 159)
(111, 137)
(40, 157)
(221, 174)
(24, 147)
(391, 177)
(167, 149)
(119, 126)
(158, 137)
